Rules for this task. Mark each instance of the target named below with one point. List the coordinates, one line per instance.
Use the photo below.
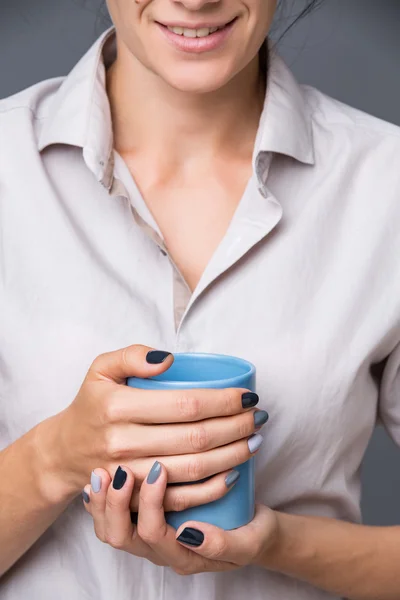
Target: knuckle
(241, 453)
(229, 401)
(195, 469)
(246, 426)
(151, 536)
(183, 570)
(198, 438)
(189, 407)
(179, 502)
(111, 408)
(215, 493)
(125, 352)
(115, 541)
(113, 503)
(98, 362)
(99, 533)
(113, 448)
(131, 353)
(220, 547)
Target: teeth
(192, 33)
(203, 32)
(178, 30)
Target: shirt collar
(80, 114)
(286, 123)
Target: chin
(197, 79)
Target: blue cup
(196, 370)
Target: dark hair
(308, 7)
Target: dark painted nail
(156, 357)
(191, 537)
(249, 399)
(119, 479)
(231, 478)
(260, 418)
(134, 518)
(85, 496)
(154, 473)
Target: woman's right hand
(197, 433)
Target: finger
(161, 537)
(86, 498)
(239, 546)
(167, 440)
(133, 361)
(152, 527)
(180, 497)
(180, 406)
(99, 483)
(120, 533)
(118, 528)
(195, 467)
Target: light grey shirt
(305, 284)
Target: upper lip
(206, 25)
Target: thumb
(133, 361)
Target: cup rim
(229, 382)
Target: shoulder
(333, 120)
(21, 113)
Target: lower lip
(196, 45)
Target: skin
(205, 110)
(205, 434)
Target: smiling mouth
(201, 32)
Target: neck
(149, 115)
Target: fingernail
(119, 479)
(255, 442)
(191, 537)
(231, 478)
(154, 473)
(95, 482)
(249, 399)
(85, 496)
(156, 357)
(260, 418)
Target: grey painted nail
(260, 418)
(85, 496)
(154, 473)
(95, 482)
(231, 478)
(255, 442)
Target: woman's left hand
(194, 548)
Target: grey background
(349, 49)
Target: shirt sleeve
(389, 400)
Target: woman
(176, 191)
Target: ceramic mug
(198, 370)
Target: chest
(300, 297)
(193, 209)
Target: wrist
(275, 557)
(54, 479)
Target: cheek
(264, 11)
